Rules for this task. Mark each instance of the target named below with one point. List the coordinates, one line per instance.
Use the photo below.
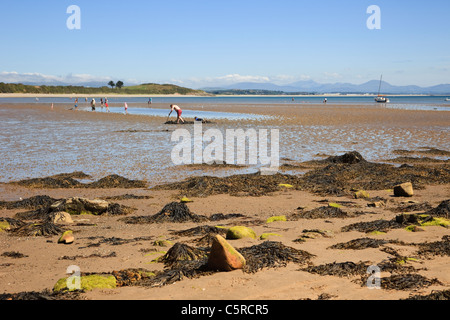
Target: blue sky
(206, 43)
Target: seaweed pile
(442, 210)
(324, 213)
(37, 229)
(181, 252)
(409, 281)
(436, 248)
(271, 254)
(68, 180)
(173, 212)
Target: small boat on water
(447, 99)
(380, 98)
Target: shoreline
(30, 95)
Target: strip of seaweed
(43, 295)
(253, 184)
(371, 226)
(29, 203)
(413, 207)
(360, 244)
(115, 241)
(340, 269)
(13, 254)
(434, 295)
(425, 151)
(127, 197)
(417, 160)
(67, 180)
(94, 255)
(336, 176)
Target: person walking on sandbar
(93, 105)
(178, 110)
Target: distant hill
(310, 86)
(148, 89)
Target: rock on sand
(404, 190)
(223, 256)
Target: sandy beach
(136, 147)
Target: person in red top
(178, 110)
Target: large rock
(404, 190)
(240, 232)
(223, 256)
(60, 217)
(78, 205)
(86, 283)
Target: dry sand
(44, 264)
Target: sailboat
(380, 98)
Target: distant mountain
(311, 86)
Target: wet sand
(46, 261)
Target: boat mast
(379, 87)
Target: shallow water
(34, 145)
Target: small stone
(404, 190)
(223, 256)
(67, 237)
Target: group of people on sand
(104, 103)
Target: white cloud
(332, 75)
(237, 78)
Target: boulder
(67, 237)
(86, 283)
(61, 217)
(223, 256)
(404, 190)
(78, 205)
(240, 232)
(361, 194)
